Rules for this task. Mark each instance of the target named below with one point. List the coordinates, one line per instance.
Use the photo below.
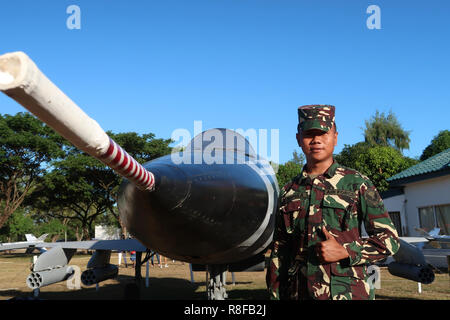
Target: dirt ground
(174, 283)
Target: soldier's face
(317, 145)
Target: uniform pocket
(348, 283)
(293, 214)
(344, 270)
(290, 212)
(338, 210)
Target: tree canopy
(385, 130)
(376, 162)
(290, 169)
(27, 146)
(439, 143)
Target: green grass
(173, 283)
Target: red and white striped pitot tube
(125, 165)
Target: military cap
(315, 116)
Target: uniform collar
(331, 171)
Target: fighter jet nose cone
(201, 213)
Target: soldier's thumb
(328, 235)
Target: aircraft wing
(24, 245)
(113, 245)
(414, 239)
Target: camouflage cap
(315, 116)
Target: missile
(36, 280)
(410, 264)
(213, 203)
(93, 276)
(99, 268)
(422, 274)
(51, 267)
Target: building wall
(430, 192)
(107, 233)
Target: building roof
(434, 166)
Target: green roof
(434, 165)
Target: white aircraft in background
(434, 235)
(31, 244)
(434, 247)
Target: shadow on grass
(158, 289)
(382, 297)
(247, 294)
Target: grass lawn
(174, 283)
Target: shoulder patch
(373, 198)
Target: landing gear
(215, 285)
(132, 290)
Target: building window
(443, 218)
(435, 217)
(395, 217)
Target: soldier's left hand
(330, 250)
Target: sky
(160, 65)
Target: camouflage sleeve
(279, 256)
(383, 238)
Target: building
(419, 197)
(107, 233)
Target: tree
(382, 130)
(55, 228)
(378, 162)
(19, 223)
(439, 143)
(26, 148)
(290, 169)
(79, 188)
(298, 158)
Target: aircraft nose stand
(215, 285)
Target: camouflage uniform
(341, 199)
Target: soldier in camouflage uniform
(318, 251)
